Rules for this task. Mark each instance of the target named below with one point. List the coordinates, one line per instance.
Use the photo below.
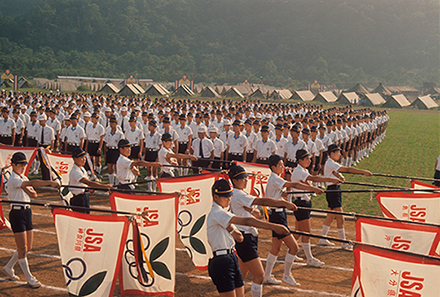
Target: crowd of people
(301, 141)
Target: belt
(236, 154)
(72, 144)
(264, 159)
(31, 137)
(20, 207)
(112, 148)
(94, 141)
(4, 135)
(278, 209)
(183, 142)
(151, 149)
(223, 252)
(290, 160)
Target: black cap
(237, 123)
(248, 121)
(313, 129)
(132, 119)
(301, 154)
(5, 109)
(74, 116)
(279, 127)
(333, 148)
(152, 123)
(124, 143)
(295, 128)
(18, 158)
(222, 188)
(274, 159)
(166, 120)
(167, 137)
(113, 119)
(265, 128)
(95, 115)
(78, 152)
(182, 117)
(236, 172)
(306, 131)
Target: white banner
(91, 251)
(6, 153)
(194, 206)
(258, 179)
(159, 241)
(419, 207)
(62, 165)
(419, 185)
(399, 236)
(386, 273)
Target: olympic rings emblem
(131, 262)
(69, 271)
(184, 219)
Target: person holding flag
(334, 199)
(223, 268)
(78, 177)
(21, 189)
(127, 169)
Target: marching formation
(301, 143)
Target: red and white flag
(381, 272)
(194, 207)
(418, 207)
(6, 153)
(158, 239)
(60, 166)
(91, 251)
(399, 236)
(258, 179)
(4, 223)
(419, 185)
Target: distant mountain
(289, 43)
(16, 7)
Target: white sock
(256, 290)
(25, 268)
(185, 171)
(37, 165)
(341, 233)
(154, 187)
(270, 262)
(13, 260)
(111, 179)
(288, 262)
(307, 250)
(325, 229)
(98, 169)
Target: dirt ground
(333, 279)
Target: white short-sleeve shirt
(152, 141)
(13, 187)
(280, 145)
(237, 144)
(239, 200)
(163, 160)
(216, 223)
(75, 175)
(74, 134)
(49, 135)
(7, 126)
(265, 148)
(123, 171)
(207, 147)
(134, 136)
(329, 167)
(112, 139)
(219, 147)
(274, 188)
(300, 174)
(94, 133)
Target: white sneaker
(298, 259)
(314, 262)
(288, 279)
(35, 171)
(11, 273)
(105, 167)
(347, 246)
(271, 280)
(34, 283)
(325, 242)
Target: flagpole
(115, 190)
(142, 214)
(402, 176)
(353, 214)
(363, 243)
(192, 167)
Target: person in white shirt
(245, 205)
(19, 128)
(301, 174)
(78, 177)
(185, 135)
(223, 267)
(111, 153)
(275, 188)
(334, 199)
(7, 128)
(74, 135)
(236, 145)
(136, 137)
(219, 147)
(20, 189)
(95, 139)
(224, 136)
(202, 148)
(279, 139)
(127, 169)
(53, 122)
(264, 147)
(167, 157)
(319, 150)
(252, 140)
(45, 139)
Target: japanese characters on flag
(159, 241)
(381, 272)
(194, 206)
(6, 153)
(61, 165)
(399, 236)
(258, 179)
(419, 207)
(91, 250)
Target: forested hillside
(288, 43)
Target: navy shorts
(302, 214)
(112, 156)
(183, 147)
(134, 152)
(81, 200)
(151, 156)
(436, 176)
(21, 220)
(92, 149)
(324, 157)
(334, 200)
(248, 249)
(278, 218)
(225, 273)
